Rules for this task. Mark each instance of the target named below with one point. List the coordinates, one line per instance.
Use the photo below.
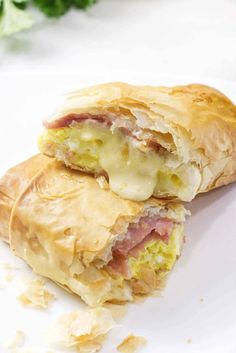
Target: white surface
(188, 40)
(205, 270)
(175, 37)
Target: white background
(206, 269)
(174, 37)
(140, 41)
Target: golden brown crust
(12, 184)
(197, 121)
(61, 221)
(65, 202)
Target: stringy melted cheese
(133, 174)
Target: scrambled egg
(158, 256)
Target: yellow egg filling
(158, 256)
(133, 174)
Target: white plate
(197, 312)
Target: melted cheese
(133, 174)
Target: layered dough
(167, 142)
(85, 238)
(12, 184)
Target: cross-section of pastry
(85, 237)
(167, 142)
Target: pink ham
(66, 120)
(138, 232)
(138, 235)
(119, 265)
(69, 118)
(153, 236)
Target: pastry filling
(147, 252)
(135, 169)
(140, 259)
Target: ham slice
(119, 265)
(153, 236)
(66, 120)
(137, 232)
(138, 235)
(69, 118)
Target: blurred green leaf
(13, 19)
(53, 8)
(83, 4)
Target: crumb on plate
(36, 294)
(189, 341)
(17, 340)
(84, 330)
(131, 343)
(9, 268)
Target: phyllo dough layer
(167, 142)
(88, 239)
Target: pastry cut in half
(169, 142)
(85, 237)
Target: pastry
(85, 237)
(169, 142)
